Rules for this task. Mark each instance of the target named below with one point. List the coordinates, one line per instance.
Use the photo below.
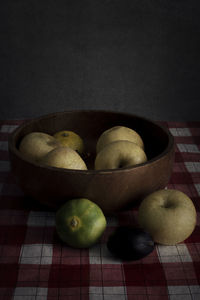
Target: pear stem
(65, 134)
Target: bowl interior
(90, 125)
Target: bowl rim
(12, 146)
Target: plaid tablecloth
(36, 265)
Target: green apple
(168, 215)
(119, 154)
(64, 157)
(37, 144)
(118, 133)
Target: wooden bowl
(112, 190)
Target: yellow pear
(168, 215)
(64, 157)
(119, 133)
(119, 154)
(37, 144)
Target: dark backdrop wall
(135, 56)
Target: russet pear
(35, 145)
(118, 133)
(64, 157)
(168, 215)
(119, 154)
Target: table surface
(35, 264)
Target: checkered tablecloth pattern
(36, 265)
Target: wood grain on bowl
(112, 190)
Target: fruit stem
(65, 134)
(74, 222)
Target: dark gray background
(132, 56)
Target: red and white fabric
(36, 265)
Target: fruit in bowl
(70, 139)
(37, 144)
(104, 187)
(64, 157)
(119, 154)
(55, 151)
(116, 133)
